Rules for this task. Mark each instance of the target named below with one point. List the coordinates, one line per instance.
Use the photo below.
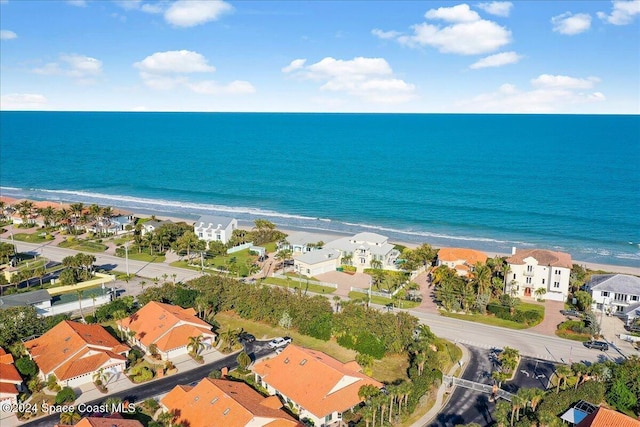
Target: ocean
(490, 182)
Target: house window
(362, 260)
(328, 418)
(557, 271)
(605, 294)
(634, 297)
(543, 281)
(200, 235)
(556, 284)
(308, 271)
(620, 297)
(529, 268)
(528, 280)
(514, 276)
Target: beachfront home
(73, 352)
(215, 228)
(539, 269)
(168, 327)
(153, 225)
(462, 260)
(617, 294)
(363, 250)
(300, 242)
(10, 379)
(315, 385)
(224, 403)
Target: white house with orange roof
(225, 403)
(10, 379)
(318, 386)
(168, 327)
(461, 259)
(73, 352)
(534, 269)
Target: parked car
(279, 342)
(598, 345)
(633, 328)
(571, 313)
(246, 337)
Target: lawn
(388, 369)
(83, 245)
(30, 238)
(570, 335)
(142, 256)
(382, 300)
(295, 284)
(486, 319)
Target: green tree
(26, 366)
(70, 417)
(195, 345)
(562, 372)
(66, 395)
(7, 251)
(583, 300)
(244, 360)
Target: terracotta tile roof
(317, 382)
(66, 343)
(469, 256)
(8, 388)
(8, 371)
(107, 422)
(179, 336)
(223, 403)
(543, 256)
(5, 358)
(604, 417)
(153, 321)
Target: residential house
(168, 327)
(225, 403)
(617, 294)
(461, 259)
(605, 417)
(152, 226)
(10, 379)
(315, 385)
(360, 251)
(300, 242)
(119, 223)
(539, 269)
(215, 228)
(74, 352)
(113, 420)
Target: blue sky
(342, 56)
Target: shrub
(66, 395)
(555, 404)
(367, 343)
(26, 366)
(90, 319)
(499, 311)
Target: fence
(366, 291)
(302, 279)
(73, 306)
(451, 381)
(239, 247)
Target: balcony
(529, 273)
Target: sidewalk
(441, 398)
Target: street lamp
(126, 256)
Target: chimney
(513, 250)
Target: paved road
(530, 344)
(140, 393)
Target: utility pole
(126, 256)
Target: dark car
(246, 337)
(633, 328)
(571, 313)
(598, 345)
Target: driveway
(552, 318)
(345, 281)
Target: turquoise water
(490, 182)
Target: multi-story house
(534, 269)
(215, 228)
(460, 259)
(617, 294)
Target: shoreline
(288, 229)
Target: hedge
(529, 317)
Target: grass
(389, 368)
(486, 319)
(30, 238)
(83, 245)
(295, 284)
(527, 306)
(382, 300)
(570, 335)
(142, 256)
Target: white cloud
(23, 101)
(385, 35)
(79, 67)
(175, 61)
(170, 70)
(497, 60)
(564, 82)
(622, 13)
(498, 8)
(77, 3)
(7, 35)
(570, 24)
(296, 64)
(370, 79)
(189, 13)
(458, 13)
(549, 93)
(152, 8)
(468, 34)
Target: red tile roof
(543, 256)
(224, 403)
(168, 326)
(604, 417)
(317, 382)
(9, 376)
(469, 256)
(71, 349)
(111, 421)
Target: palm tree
(24, 209)
(195, 345)
(535, 397)
(62, 217)
(70, 418)
(376, 264)
(580, 370)
(562, 372)
(229, 337)
(346, 260)
(101, 375)
(481, 278)
(506, 268)
(48, 213)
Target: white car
(279, 342)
